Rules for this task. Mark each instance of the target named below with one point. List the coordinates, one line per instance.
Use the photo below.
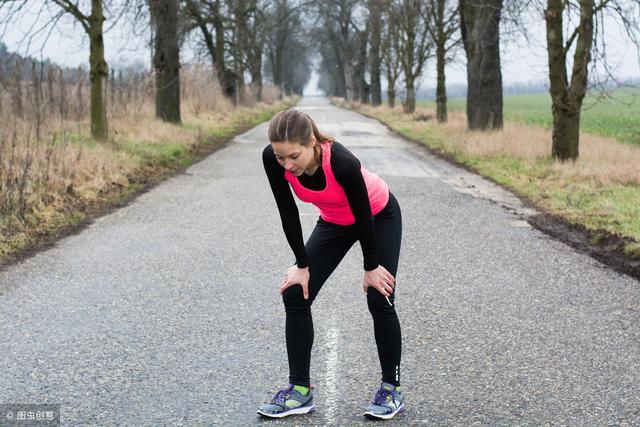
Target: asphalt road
(167, 311)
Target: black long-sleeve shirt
(346, 169)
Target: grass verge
(616, 115)
(86, 179)
(598, 194)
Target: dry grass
(600, 190)
(45, 181)
(602, 161)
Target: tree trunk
(166, 59)
(259, 45)
(566, 100)
(441, 88)
(391, 91)
(480, 26)
(255, 63)
(363, 87)
(391, 98)
(256, 83)
(350, 84)
(192, 8)
(410, 103)
(239, 89)
(566, 130)
(340, 73)
(99, 73)
(374, 52)
(226, 77)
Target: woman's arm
(286, 205)
(346, 169)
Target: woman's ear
(313, 140)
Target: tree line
(245, 41)
(396, 38)
(358, 43)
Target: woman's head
(295, 140)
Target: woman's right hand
(296, 276)
(380, 279)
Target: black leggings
(326, 247)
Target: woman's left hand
(381, 279)
(296, 276)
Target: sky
(522, 60)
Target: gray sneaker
(386, 403)
(288, 401)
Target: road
(167, 311)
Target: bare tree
(443, 26)
(415, 45)
(390, 57)
(567, 95)
(345, 22)
(362, 88)
(375, 30)
(91, 22)
(480, 28)
(255, 40)
(98, 69)
(332, 70)
(238, 16)
(166, 59)
(211, 18)
(285, 42)
(246, 43)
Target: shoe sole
(296, 411)
(387, 416)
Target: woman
(354, 204)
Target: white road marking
(331, 375)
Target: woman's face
(295, 157)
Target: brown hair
(295, 126)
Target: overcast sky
(521, 61)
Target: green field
(618, 117)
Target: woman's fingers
(283, 286)
(388, 287)
(382, 288)
(390, 279)
(287, 283)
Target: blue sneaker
(386, 403)
(288, 401)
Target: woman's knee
(294, 301)
(378, 305)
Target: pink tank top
(332, 200)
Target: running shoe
(288, 401)
(386, 403)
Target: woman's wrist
(371, 267)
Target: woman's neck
(312, 169)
